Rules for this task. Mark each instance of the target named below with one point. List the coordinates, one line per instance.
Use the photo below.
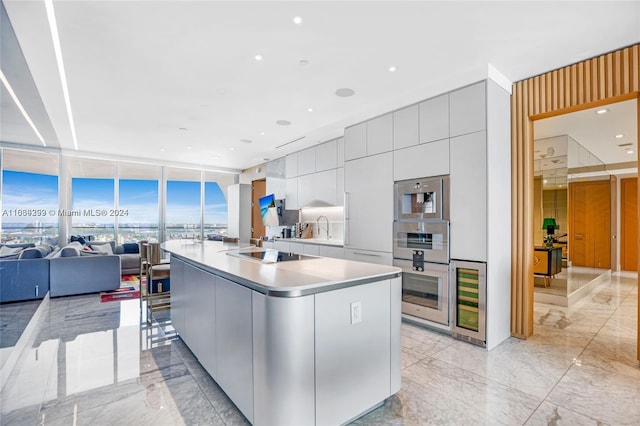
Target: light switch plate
(356, 312)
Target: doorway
(600, 81)
(258, 190)
(590, 224)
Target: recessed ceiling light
(297, 20)
(620, 136)
(310, 109)
(188, 147)
(544, 181)
(231, 148)
(630, 151)
(246, 140)
(262, 133)
(392, 69)
(258, 57)
(162, 150)
(345, 92)
(559, 186)
(283, 122)
(602, 111)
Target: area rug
(120, 294)
(129, 289)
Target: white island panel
(234, 344)
(353, 357)
(283, 360)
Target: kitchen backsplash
(335, 215)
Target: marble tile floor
(14, 318)
(94, 363)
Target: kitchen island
(301, 341)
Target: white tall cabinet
(480, 199)
(368, 183)
(239, 211)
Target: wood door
(258, 189)
(590, 221)
(629, 224)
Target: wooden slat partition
(608, 78)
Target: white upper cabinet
(468, 197)
(340, 147)
(380, 134)
(306, 161)
(327, 156)
(468, 109)
(319, 186)
(424, 160)
(434, 119)
(405, 127)
(355, 141)
(291, 165)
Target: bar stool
(142, 249)
(158, 298)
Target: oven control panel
(418, 260)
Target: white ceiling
(139, 71)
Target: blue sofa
(25, 274)
(73, 271)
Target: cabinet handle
(367, 254)
(346, 206)
(346, 218)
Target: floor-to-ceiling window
(138, 203)
(29, 197)
(215, 207)
(93, 198)
(107, 200)
(183, 214)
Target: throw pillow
(130, 247)
(102, 248)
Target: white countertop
(316, 241)
(282, 279)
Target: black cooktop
(273, 256)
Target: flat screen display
(268, 210)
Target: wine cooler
(469, 298)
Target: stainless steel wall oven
(421, 248)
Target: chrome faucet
(318, 225)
